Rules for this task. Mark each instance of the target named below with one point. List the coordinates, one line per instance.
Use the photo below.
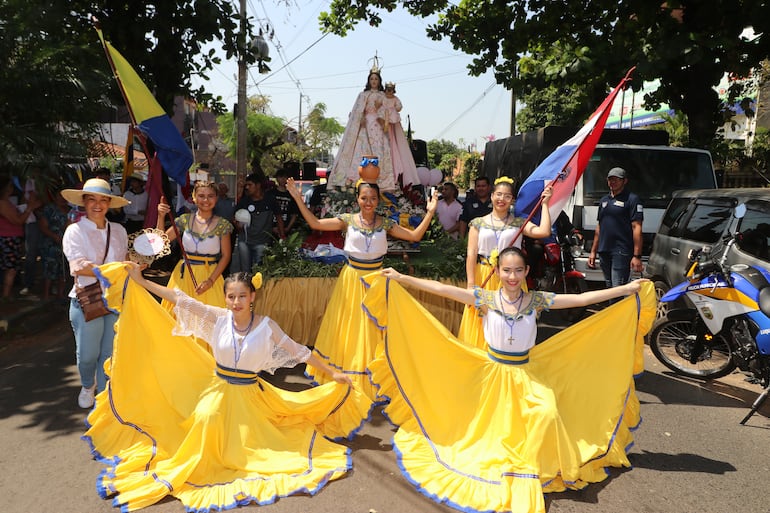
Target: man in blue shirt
(477, 206)
(618, 236)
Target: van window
(708, 222)
(673, 216)
(755, 230)
(654, 173)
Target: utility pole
(299, 121)
(240, 126)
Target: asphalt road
(691, 455)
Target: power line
(476, 102)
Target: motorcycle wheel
(675, 343)
(574, 286)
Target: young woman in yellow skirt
(487, 237)
(209, 431)
(346, 340)
(206, 240)
(492, 430)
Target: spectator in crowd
(479, 205)
(255, 234)
(280, 195)
(449, 210)
(11, 234)
(137, 208)
(53, 222)
(309, 193)
(31, 235)
(225, 207)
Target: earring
(251, 306)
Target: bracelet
(638, 256)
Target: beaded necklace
(367, 232)
(498, 234)
(512, 321)
(238, 342)
(197, 239)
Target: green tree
(265, 133)
(688, 44)
(46, 78)
(438, 149)
(552, 105)
(470, 170)
(678, 131)
(54, 74)
(320, 133)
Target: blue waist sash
(506, 357)
(365, 265)
(196, 259)
(236, 376)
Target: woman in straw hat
(87, 244)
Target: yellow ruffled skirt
(180, 279)
(347, 339)
(479, 435)
(167, 425)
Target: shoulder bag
(90, 297)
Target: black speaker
(420, 152)
(309, 170)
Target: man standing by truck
(618, 235)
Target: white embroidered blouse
(265, 348)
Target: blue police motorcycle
(728, 325)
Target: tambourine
(147, 245)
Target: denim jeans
(249, 255)
(93, 345)
(616, 267)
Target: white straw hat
(97, 187)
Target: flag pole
(142, 141)
(181, 246)
(98, 28)
(553, 182)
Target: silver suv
(698, 217)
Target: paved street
(691, 455)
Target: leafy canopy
(689, 45)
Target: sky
(440, 97)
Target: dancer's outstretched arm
(434, 287)
(325, 225)
(135, 272)
(596, 296)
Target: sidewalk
(26, 315)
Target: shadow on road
(671, 388)
(37, 384)
(681, 462)
(588, 495)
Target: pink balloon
(423, 173)
(435, 176)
